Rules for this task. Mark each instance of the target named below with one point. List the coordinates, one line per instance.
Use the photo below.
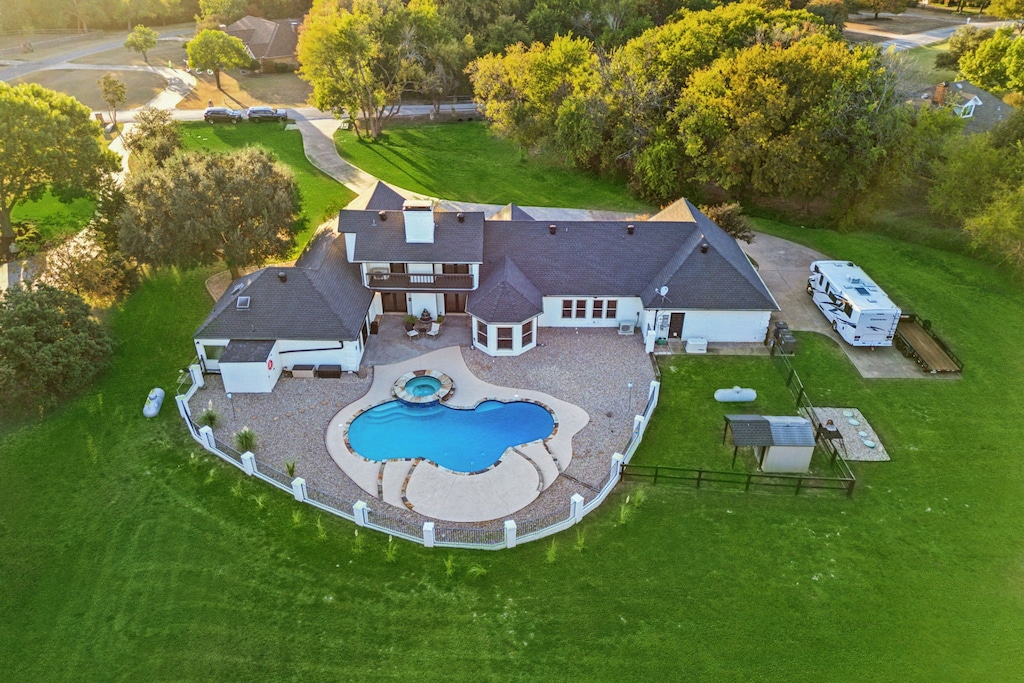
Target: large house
(676, 275)
(267, 40)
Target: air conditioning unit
(379, 271)
(626, 328)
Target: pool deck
(514, 482)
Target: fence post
(700, 474)
(299, 489)
(799, 483)
(359, 510)
(428, 534)
(653, 483)
(616, 469)
(182, 406)
(206, 434)
(747, 487)
(800, 395)
(510, 533)
(576, 508)
(197, 375)
(849, 488)
(249, 463)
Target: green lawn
(322, 196)
(129, 554)
(464, 161)
(920, 66)
(53, 218)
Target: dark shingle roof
(510, 212)
(245, 351)
(505, 296)
(384, 240)
(764, 430)
(380, 197)
(322, 298)
(266, 39)
(600, 258)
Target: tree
(213, 13)
(964, 41)
(141, 39)
(811, 120)
(999, 227)
(890, 6)
(50, 347)
(216, 50)
(199, 208)
(155, 134)
(832, 12)
(49, 142)
(114, 92)
(362, 61)
(81, 265)
(968, 175)
(729, 217)
(986, 66)
(1009, 9)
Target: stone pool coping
(501, 490)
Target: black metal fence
(746, 480)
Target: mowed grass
(322, 196)
(53, 218)
(920, 68)
(141, 86)
(130, 554)
(465, 162)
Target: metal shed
(250, 367)
(781, 443)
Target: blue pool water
(422, 386)
(461, 440)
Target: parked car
(260, 114)
(222, 115)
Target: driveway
(785, 266)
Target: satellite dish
(663, 290)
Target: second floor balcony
(430, 281)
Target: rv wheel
(835, 325)
(810, 290)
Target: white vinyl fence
(382, 517)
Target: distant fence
(842, 478)
(382, 517)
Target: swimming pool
(460, 440)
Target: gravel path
(591, 368)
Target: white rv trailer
(858, 309)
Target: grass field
(53, 218)
(172, 51)
(322, 196)
(129, 554)
(463, 161)
(920, 67)
(241, 91)
(142, 86)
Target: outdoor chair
(412, 334)
(435, 329)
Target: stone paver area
(589, 368)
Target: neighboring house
(980, 109)
(268, 41)
(676, 275)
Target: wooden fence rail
(701, 476)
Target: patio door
(454, 302)
(393, 302)
(675, 326)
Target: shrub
(245, 439)
(728, 217)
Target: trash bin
(787, 343)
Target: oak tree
(215, 50)
(141, 39)
(114, 93)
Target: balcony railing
(433, 281)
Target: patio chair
(435, 329)
(412, 334)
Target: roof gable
(380, 197)
(506, 296)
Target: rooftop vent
(237, 288)
(242, 303)
(630, 229)
(552, 229)
(703, 247)
(461, 216)
(383, 215)
(282, 276)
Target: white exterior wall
(249, 378)
(491, 348)
(793, 459)
(714, 326)
(210, 365)
(627, 311)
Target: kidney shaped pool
(460, 440)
